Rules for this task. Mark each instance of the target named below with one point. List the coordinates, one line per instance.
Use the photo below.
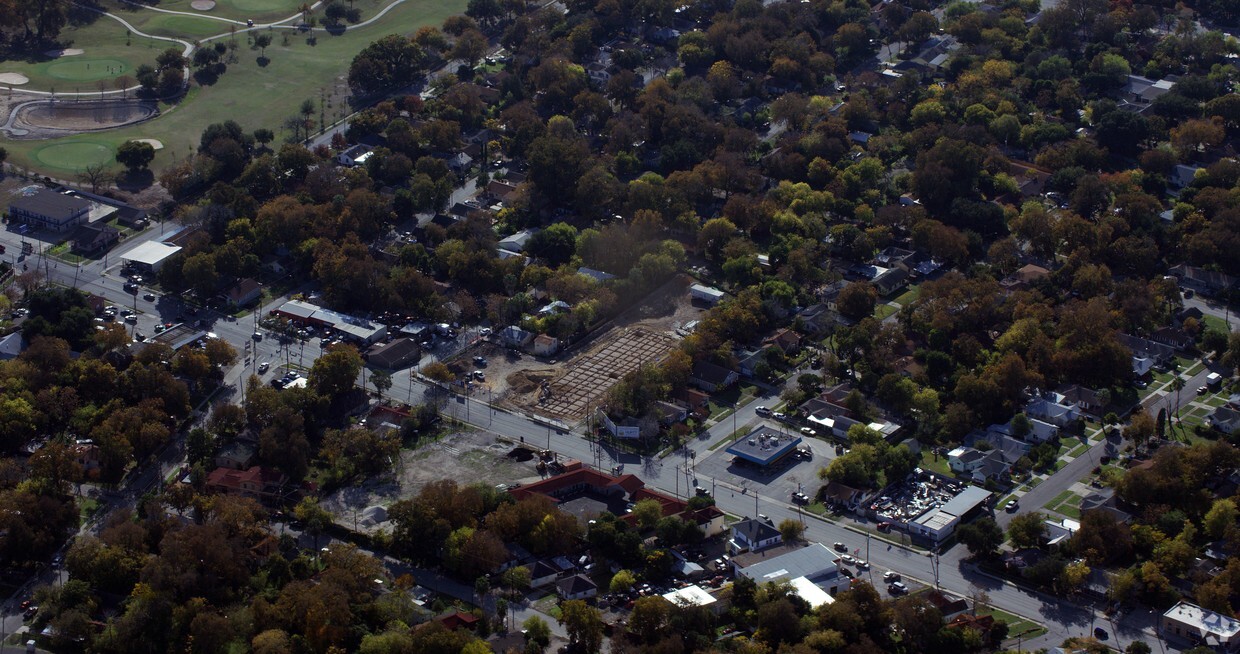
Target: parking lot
(789, 476)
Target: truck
(1214, 381)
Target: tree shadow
(263, 60)
(135, 180)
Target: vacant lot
(468, 457)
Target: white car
(779, 416)
(762, 411)
(848, 558)
(808, 432)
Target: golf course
(259, 88)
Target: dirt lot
(468, 457)
(580, 377)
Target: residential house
(890, 280)
(753, 535)
(694, 400)
(1048, 408)
(747, 361)
(543, 573)
(236, 456)
(1142, 91)
(514, 336)
(670, 413)
(92, 239)
(785, 339)
(354, 156)
(1172, 337)
(1144, 348)
(1086, 399)
(499, 191)
(1225, 419)
(11, 346)
(576, 587)
(710, 519)
(454, 620)
(842, 495)
(1201, 280)
(545, 346)
(819, 319)
(256, 482)
(597, 275)
(712, 377)
(517, 242)
(87, 455)
(243, 292)
(949, 607)
(964, 459)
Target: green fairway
(257, 10)
(181, 27)
(75, 155)
(253, 95)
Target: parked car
(891, 576)
(258, 336)
(762, 411)
(478, 374)
(779, 416)
(131, 319)
(897, 588)
(480, 361)
(840, 547)
(808, 432)
(149, 297)
(848, 558)
(1100, 633)
(263, 367)
(1011, 507)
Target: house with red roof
(257, 482)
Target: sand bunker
(13, 78)
(154, 143)
(68, 52)
(203, 5)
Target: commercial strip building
(939, 523)
(812, 571)
(764, 447)
(355, 329)
(1194, 624)
(149, 257)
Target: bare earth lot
(468, 457)
(580, 377)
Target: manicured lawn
(908, 297)
(76, 155)
(883, 310)
(253, 95)
(1058, 499)
(940, 466)
(1217, 324)
(1078, 450)
(260, 11)
(1016, 624)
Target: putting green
(74, 155)
(76, 69)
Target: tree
(856, 301)
(982, 536)
(1027, 529)
(1141, 428)
(1138, 647)
(537, 633)
(261, 41)
(647, 513)
(791, 530)
(622, 581)
(336, 372)
(556, 243)
(382, 381)
(315, 518)
(584, 625)
(391, 62)
(439, 372)
(1073, 576)
(1220, 518)
(96, 175)
(135, 155)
